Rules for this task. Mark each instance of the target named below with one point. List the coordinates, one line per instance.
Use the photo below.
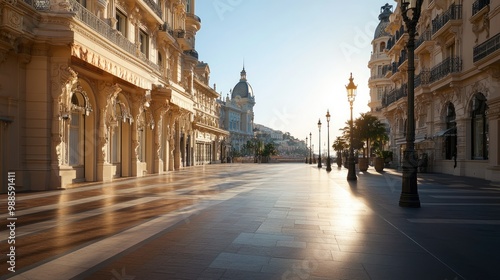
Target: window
(121, 22)
(380, 93)
(479, 128)
(382, 47)
(188, 6)
(450, 140)
(160, 59)
(143, 40)
(76, 131)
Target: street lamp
(328, 163)
(319, 153)
(310, 147)
(409, 191)
(351, 95)
(307, 152)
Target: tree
(369, 128)
(357, 142)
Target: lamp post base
(409, 200)
(319, 162)
(409, 189)
(351, 173)
(328, 165)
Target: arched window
(450, 140)
(76, 130)
(382, 47)
(479, 128)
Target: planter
(363, 164)
(379, 164)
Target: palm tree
(370, 128)
(339, 145)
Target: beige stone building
(97, 90)
(457, 86)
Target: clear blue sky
(298, 56)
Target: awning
(447, 132)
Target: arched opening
(382, 47)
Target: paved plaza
(258, 221)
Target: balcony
(479, 5)
(193, 53)
(488, 47)
(103, 28)
(454, 13)
(394, 95)
(448, 66)
(424, 40)
(395, 38)
(155, 7)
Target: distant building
(236, 113)
(457, 85)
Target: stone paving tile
(297, 222)
(232, 261)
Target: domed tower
(379, 63)
(243, 89)
(237, 113)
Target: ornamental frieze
(107, 65)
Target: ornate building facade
(96, 90)
(236, 113)
(457, 86)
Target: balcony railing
(155, 7)
(423, 78)
(394, 95)
(392, 41)
(479, 5)
(425, 36)
(486, 48)
(192, 53)
(446, 67)
(453, 13)
(39, 5)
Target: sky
(298, 56)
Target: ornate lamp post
(319, 153)
(310, 148)
(328, 163)
(351, 95)
(307, 152)
(409, 191)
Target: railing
(392, 41)
(192, 53)
(486, 48)
(425, 36)
(453, 13)
(39, 5)
(155, 7)
(446, 67)
(394, 67)
(394, 95)
(423, 78)
(479, 5)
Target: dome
(385, 13)
(242, 89)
